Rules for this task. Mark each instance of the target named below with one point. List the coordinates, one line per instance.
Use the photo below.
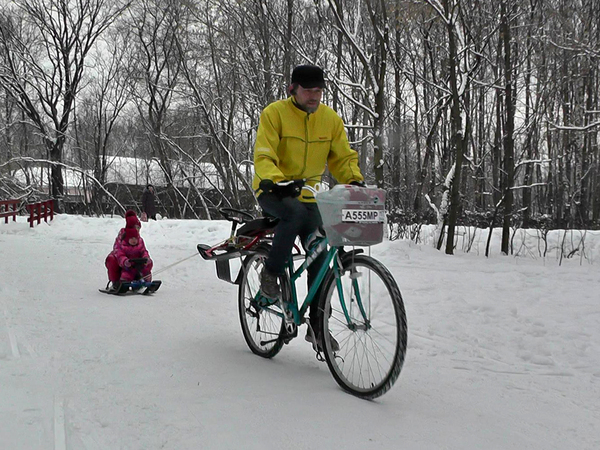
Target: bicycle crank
(289, 325)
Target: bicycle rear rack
(221, 260)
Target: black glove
(358, 183)
(266, 186)
(282, 189)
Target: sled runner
(135, 287)
(138, 286)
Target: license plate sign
(363, 215)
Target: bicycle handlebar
(292, 188)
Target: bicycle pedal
(252, 313)
(291, 331)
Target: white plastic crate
(352, 215)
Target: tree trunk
(530, 129)
(509, 158)
(457, 134)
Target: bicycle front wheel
(364, 324)
(262, 323)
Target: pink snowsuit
(112, 262)
(125, 252)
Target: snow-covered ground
(503, 353)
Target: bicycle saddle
(257, 226)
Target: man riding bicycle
(296, 139)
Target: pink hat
(131, 233)
(132, 221)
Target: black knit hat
(308, 76)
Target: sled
(139, 286)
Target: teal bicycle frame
(332, 256)
(359, 320)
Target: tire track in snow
(15, 336)
(12, 338)
(60, 436)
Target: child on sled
(128, 245)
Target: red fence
(10, 208)
(39, 211)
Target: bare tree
(155, 74)
(99, 110)
(373, 60)
(44, 46)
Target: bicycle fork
(354, 296)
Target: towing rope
(172, 265)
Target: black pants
(296, 218)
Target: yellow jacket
(292, 144)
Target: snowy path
(503, 353)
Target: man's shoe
(316, 341)
(269, 284)
(310, 337)
(335, 346)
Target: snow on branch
(529, 186)
(573, 128)
(532, 161)
(450, 176)
(356, 102)
(584, 50)
(436, 5)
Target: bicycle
(366, 318)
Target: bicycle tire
(370, 356)
(261, 326)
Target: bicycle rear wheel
(262, 323)
(372, 346)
